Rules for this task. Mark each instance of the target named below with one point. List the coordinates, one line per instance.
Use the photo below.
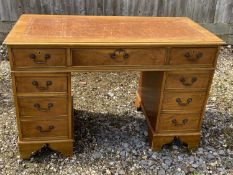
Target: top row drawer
(25, 58)
(39, 57)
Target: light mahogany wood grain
(42, 83)
(178, 56)
(26, 148)
(70, 30)
(170, 103)
(179, 122)
(30, 129)
(27, 106)
(21, 57)
(157, 46)
(97, 56)
(187, 80)
(151, 91)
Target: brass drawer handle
(179, 101)
(117, 52)
(50, 128)
(33, 57)
(183, 80)
(192, 56)
(174, 121)
(39, 108)
(48, 83)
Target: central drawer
(42, 106)
(118, 56)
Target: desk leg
(137, 102)
(26, 149)
(150, 99)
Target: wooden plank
(204, 11)
(224, 11)
(145, 8)
(185, 8)
(34, 6)
(70, 7)
(4, 11)
(47, 7)
(80, 7)
(115, 7)
(170, 8)
(108, 8)
(98, 7)
(89, 7)
(133, 8)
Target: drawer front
(42, 106)
(39, 57)
(183, 101)
(44, 128)
(179, 122)
(92, 57)
(187, 80)
(204, 56)
(33, 84)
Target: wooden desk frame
(171, 95)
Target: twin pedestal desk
(176, 58)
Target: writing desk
(176, 58)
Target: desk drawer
(37, 129)
(182, 56)
(39, 57)
(116, 56)
(183, 101)
(188, 80)
(41, 83)
(42, 106)
(179, 122)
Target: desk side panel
(150, 92)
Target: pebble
(165, 167)
(96, 155)
(145, 133)
(121, 172)
(161, 172)
(111, 136)
(155, 155)
(168, 162)
(195, 165)
(110, 94)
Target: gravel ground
(111, 136)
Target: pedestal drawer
(188, 80)
(38, 129)
(183, 101)
(41, 83)
(23, 58)
(118, 56)
(182, 56)
(178, 122)
(42, 106)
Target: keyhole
(38, 52)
